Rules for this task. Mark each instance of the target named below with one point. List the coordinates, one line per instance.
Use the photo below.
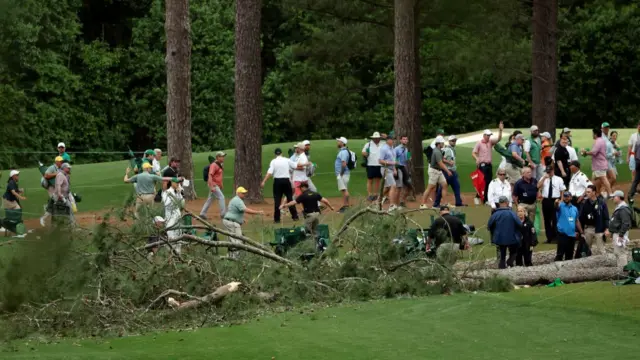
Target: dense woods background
(92, 73)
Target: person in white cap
(514, 166)
(436, 169)
(343, 174)
(449, 158)
(619, 227)
(533, 149)
(312, 167)
(371, 152)
(299, 167)
(63, 153)
(13, 194)
(389, 172)
(483, 157)
(565, 132)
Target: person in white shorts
(436, 176)
(342, 171)
(388, 171)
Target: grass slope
(581, 321)
(101, 184)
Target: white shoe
(392, 208)
(476, 201)
(424, 207)
(42, 219)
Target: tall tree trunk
(415, 138)
(544, 65)
(406, 104)
(178, 62)
(248, 99)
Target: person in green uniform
(533, 148)
(146, 185)
(62, 152)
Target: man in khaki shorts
(146, 185)
(436, 175)
(513, 167)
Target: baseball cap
(502, 200)
(176, 180)
(61, 144)
(14, 172)
(439, 140)
(452, 137)
(300, 145)
(66, 165)
(533, 128)
(605, 125)
(241, 190)
(566, 130)
(618, 193)
(487, 132)
(278, 151)
(58, 158)
(306, 142)
(342, 139)
(158, 219)
(221, 153)
(519, 136)
(147, 165)
(546, 134)
(575, 163)
(440, 132)
(566, 193)
(149, 152)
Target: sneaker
(343, 209)
(424, 207)
(370, 198)
(42, 219)
(476, 201)
(392, 208)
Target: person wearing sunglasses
(499, 187)
(569, 228)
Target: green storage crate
(460, 215)
(13, 221)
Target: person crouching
(505, 229)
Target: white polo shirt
(557, 187)
(497, 189)
(573, 155)
(299, 175)
(633, 139)
(578, 184)
(279, 168)
(374, 153)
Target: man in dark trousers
(561, 158)
(505, 229)
(551, 188)
(568, 227)
(594, 218)
(452, 227)
(279, 169)
(310, 208)
(525, 193)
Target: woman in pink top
(599, 163)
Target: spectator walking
(310, 208)
(62, 152)
(437, 169)
(402, 165)
(439, 132)
(342, 171)
(599, 163)
(389, 171)
(13, 194)
(173, 204)
(578, 183)
(545, 152)
(499, 187)
(62, 194)
(215, 184)
(145, 189)
(631, 153)
(619, 227)
(483, 157)
(551, 188)
(371, 152)
(613, 154)
(525, 193)
(516, 162)
(568, 227)
(533, 149)
(594, 218)
(279, 169)
(299, 167)
(449, 159)
(49, 179)
(529, 239)
(504, 227)
(561, 158)
(312, 167)
(234, 217)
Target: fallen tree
(194, 301)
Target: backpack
(205, 173)
(352, 161)
(428, 151)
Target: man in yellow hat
(234, 217)
(49, 179)
(146, 185)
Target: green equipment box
(286, 238)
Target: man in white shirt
(633, 139)
(299, 167)
(156, 162)
(371, 152)
(499, 187)
(578, 183)
(279, 169)
(551, 188)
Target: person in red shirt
(214, 182)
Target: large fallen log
(593, 268)
(194, 301)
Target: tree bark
(544, 65)
(178, 63)
(406, 90)
(415, 138)
(215, 297)
(248, 99)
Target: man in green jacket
(533, 148)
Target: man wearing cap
(610, 153)
(50, 178)
(371, 152)
(599, 163)
(631, 154)
(61, 193)
(551, 188)
(594, 218)
(545, 151)
(389, 171)
(578, 183)
(171, 171)
(234, 217)
(310, 208)
(299, 166)
(565, 132)
(505, 229)
(342, 172)
(439, 132)
(63, 153)
(483, 157)
(146, 185)
(449, 158)
(437, 169)
(312, 166)
(279, 169)
(619, 227)
(525, 193)
(532, 149)
(452, 226)
(215, 184)
(13, 195)
(402, 165)
(569, 227)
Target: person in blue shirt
(342, 171)
(505, 229)
(449, 159)
(568, 227)
(388, 171)
(402, 161)
(515, 164)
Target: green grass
(581, 321)
(101, 184)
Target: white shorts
(436, 177)
(598, 174)
(343, 182)
(387, 175)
